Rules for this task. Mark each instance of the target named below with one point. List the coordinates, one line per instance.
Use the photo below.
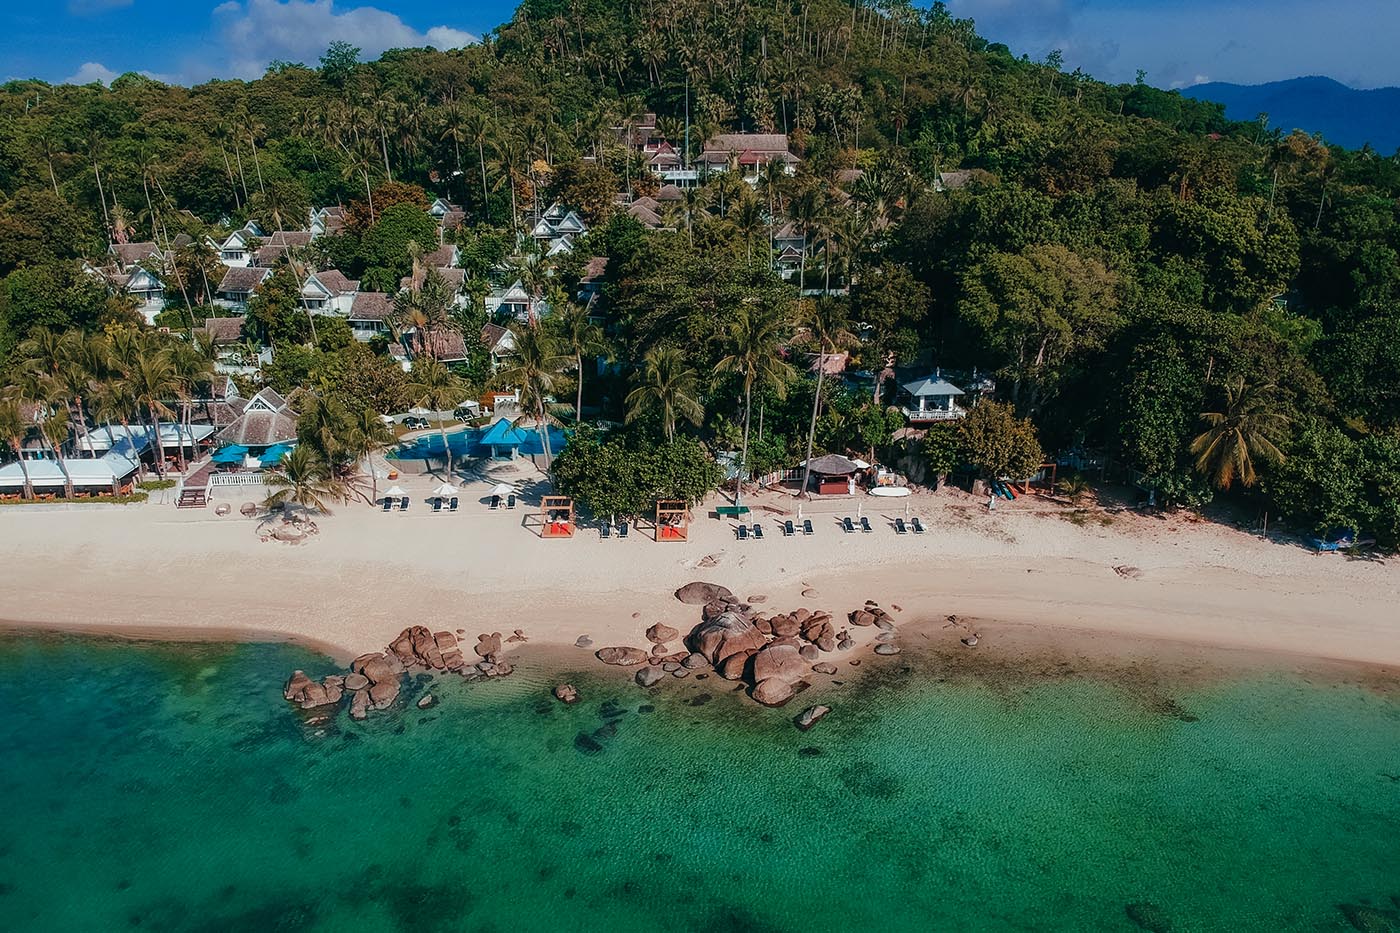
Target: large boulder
(660, 633)
(786, 625)
(698, 594)
(725, 635)
(773, 692)
(359, 704)
(383, 693)
(733, 667)
(355, 682)
(487, 645)
(405, 646)
(781, 662)
(296, 686)
(378, 667)
(622, 656)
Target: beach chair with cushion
(605, 531)
(788, 530)
(918, 526)
(806, 526)
(848, 525)
(452, 504)
(510, 501)
(622, 529)
(899, 526)
(758, 531)
(495, 502)
(388, 503)
(437, 503)
(865, 525)
(403, 504)
(742, 532)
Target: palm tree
(748, 220)
(368, 436)
(665, 384)
(437, 387)
(151, 381)
(578, 335)
(806, 209)
(54, 428)
(1248, 428)
(13, 428)
(113, 402)
(303, 479)
(829, 323)
(534, 365)
(479, 128)
(195, 371)
(754, 336)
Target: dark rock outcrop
(566, 693)
(661, 633)
(622, 656)
(698, 594)
(725, 635)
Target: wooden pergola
(672, 520)
(556, 517)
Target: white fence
(235, 479)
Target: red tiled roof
(372, 306)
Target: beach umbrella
(233, 453)
(503, 489)
(395, 492)
(446, 489)
(274, 454)
(419, 410)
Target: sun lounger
(452, 504)
(847, 524)
(806, 526)
(758, 531)
(388, 503)
(918, 525)
(403, 504)
(865, 525)
(899, 526)
(605, 531)
(622, 529)
(742, 532)
(788, 530)
(495, 502)
(510, 501)
(437, 503)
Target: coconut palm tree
(303, 479)
(368, 436)
(479, 129)
(435, 386)
(13, 428)
(112, 401)
(828, 321)
(577, 335)
(753, 339)
(665, 384)
(152, 380)
(195, 371)
(1247, 429)
(55, 428)
(534, 365)
(748, 219)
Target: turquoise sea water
(159, 787)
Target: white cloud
(96, 71)
(256, 32)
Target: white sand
(367, 575)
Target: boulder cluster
(376, 679)
(773, 653)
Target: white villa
(931, 398)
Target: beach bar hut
(672, 520)
(502, 440)
(557, 517)
(833, 475)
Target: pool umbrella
(274, 454)
(446, 489)
(233, 453)
(503, 489)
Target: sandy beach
(152, 570)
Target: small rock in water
(845, 644)
(1150, 917)
(824, 667)
(427, 700)
(671, 667)
(971, 640)
(695, 661)
(810, 716)
(649, 676)
(885, 637)
(680, 672)
(566, 693)
(583, 642)
(887, 649)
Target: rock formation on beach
(375, 680)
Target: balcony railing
(935, 414)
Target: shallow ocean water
(169, 787)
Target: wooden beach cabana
(556, 517)
(672, 520)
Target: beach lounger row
(742, 532)
(496, 502)
(438, 502)
(900, 525)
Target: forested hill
(1347, 116)
(1121, 258)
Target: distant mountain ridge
(1343, 115)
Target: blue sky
(1178, 42)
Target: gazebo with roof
(834, 475)
(503, 440)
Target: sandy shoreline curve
(149, 571)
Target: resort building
(370, 314)
(747, 153)
(266, 420)
(238, 285)
(110, 474)
(930, 398)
